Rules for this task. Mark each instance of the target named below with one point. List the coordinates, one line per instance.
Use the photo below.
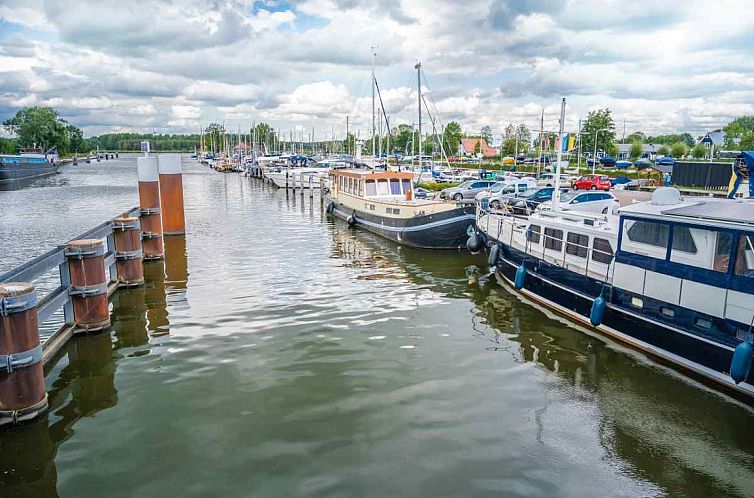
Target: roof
(371, 174)
(469, 145)
(721, 210)
(716, 137)
(645, 147)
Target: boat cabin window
(602, 251)
(577, 244)
(395, 186)
(645, 238)
(745, 256)
(533, 233)
(371, 187)
(708, 249)
(383, 188)
(361, 188)
(554, 239)
(406, 185)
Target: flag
(571, 142)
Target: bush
(679, 149)
(699, 151)
(436, 187)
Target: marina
(366, 367)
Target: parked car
(592, 182)
(529, 200)
(466, 190)
(548, 180)
(623, 164)
(505, 188)
(509, 191)
(619, 180)
(665, 161)
(590, 202)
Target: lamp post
(594, 158)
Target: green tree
(451, 138)
(76, 141)
(600, 119)
(487, 134)
(664, 150)
(8, 145)
(679, 149)
(509, 146)
(636, 150)
(747, 141)
(699, 151)
(41, 127)
(736, 129)
(213, 137)
(636, 136)
(524, 137)
(266, 135)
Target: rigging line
(382, 106)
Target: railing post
(86, 264)
(65, 283)
(149, 202)
(22, 383)
(171, 194)
(128, 253)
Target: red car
(592, 182)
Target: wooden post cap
(125, 220)
(15, 289)
(84, 244)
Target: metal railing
(50, 301)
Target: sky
(301, 65)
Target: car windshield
(465, 184)
(529, 192)
(497, 187)
(568, 196)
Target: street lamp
(594, 157)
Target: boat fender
(492, 258)
(740, 365)
(330, 208)
(474, 244)
(598, 310)
(518, 283)
(351, 220)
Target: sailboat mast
(418, 68)
(556, 193)
(374, 128)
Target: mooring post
(149, 202)
(86, 266)
(128, 252)
(171, 194)
(311, 189)
(22, 383)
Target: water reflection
(176, 268)
(668, 429)
(155, 298)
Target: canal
(278, 353)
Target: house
(469, 147)
(648, 150)
(716, 138)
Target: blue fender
(598, 310)
(518, 283)
(740, 365)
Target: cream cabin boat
(383, 202)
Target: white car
(505, 189)
(548, 180)
(590, 202)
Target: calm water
(277, 353)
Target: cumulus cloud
(169, 66)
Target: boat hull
(445, 230)
(572, 295)
(23, 171)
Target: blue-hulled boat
(673, 277)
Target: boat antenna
(556, 193)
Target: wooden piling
(149, 202)
(86, 265)
(128, 252)
(22, 384)
(171, 194)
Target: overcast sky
(170, 66)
